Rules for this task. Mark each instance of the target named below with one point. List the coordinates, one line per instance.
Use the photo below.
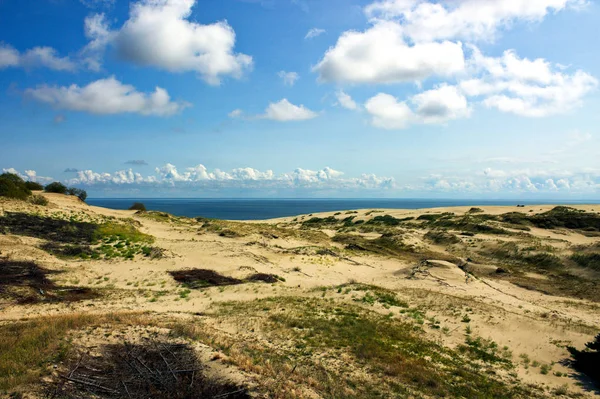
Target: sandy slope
(525, 321)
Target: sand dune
(450, 286)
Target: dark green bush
(587, 360)
(56, 187)
(78, 192)
(34, 186)
(137, 206)
(12, 186)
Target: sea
(259, 209)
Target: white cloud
(441, 105)
(98, 33)
(435, 106)
(525, 87)
(285, 111)
(107, 96)
(37, 57)
(314, 32)
(28, 175)
(389, 113)
(381, 55)
(345, 100)
(236, 113)
(425, 21)
(9, 57)
(288, 78)
(200, 176)
(159, 33)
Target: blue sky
(303, 98)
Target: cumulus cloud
(425, 21)
(314, 32)
(409, 41)
(525, 87)
(288, 78)
(381, 55)
(285, 111)
(138, 162)
(389, 113)
(345, 100)
(159, 33)
(440, 105)
(246, 177)
(37, 57)
(435, 106)
(525, 181)
(107, 96)
(28, 175)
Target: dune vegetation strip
(341, 350)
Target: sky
(486, 99)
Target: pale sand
(525, 321)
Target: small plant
(466, 318)
(38, 200)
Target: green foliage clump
(587, 360)
(56, 187)
(34, 186)
(12, 186)
(138, 206)
(316, 221)
(566, 217)
(388, 220)
(77, 192)
(442, 237)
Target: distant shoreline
(264, 209)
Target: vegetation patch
(388, 220)
(442, 237)
(12, 186)
(587, 260)
(72, 238)
(382, 357)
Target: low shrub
(34, 186)
(137, 206)
(587, 360)
(78, 192)
(38, 200)
(12, 186)
(56, 187)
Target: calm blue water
(257, 209)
